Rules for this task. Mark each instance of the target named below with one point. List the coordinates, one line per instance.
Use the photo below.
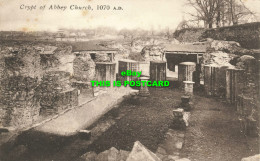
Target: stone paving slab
(82, 117)
(169, 149)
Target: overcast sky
(146, 14)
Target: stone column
(215, 80)
(106, 71)
(188, 87)
(157, 70)
(124, 65)
(207, 79)
(185, 103)
(234, 84)
(144, 91)
(178, 122)
(185, 71)
(228, 84)
(246, 111)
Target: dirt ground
(213, 133)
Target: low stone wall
(56, 93)
(19, 104)
(28, 81)
(246, 34)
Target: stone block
(141, 153)
(252, 158)
(123, 155)
(161, 150)
(178, 145)
(161, 156)
(185, 99)
(179, 121)
(89, 156)
(172, 158)
(109, 155)
(178, 113)
(188, 87)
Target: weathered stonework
(153, 52)
(19, 104)
(84, 68)
(56, 93)
(23, 82)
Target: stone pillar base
(188, 88)
(144, 91)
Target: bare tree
(206, 10)
(237, 11)
(219, 12)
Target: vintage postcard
(129, 80)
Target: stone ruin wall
(25, 88)
(84, 66)
(229, 54)
(243, 65)
(20, 75)
(56, 93)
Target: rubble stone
(173, 158)
(153, 52)
(109, 155)
(161, 156)
(89, 156)
(103, 156)
(160, 150)
(141, 153)
(123, 155)
(178, 145)
(252, 158)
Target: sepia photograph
(129, 80)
